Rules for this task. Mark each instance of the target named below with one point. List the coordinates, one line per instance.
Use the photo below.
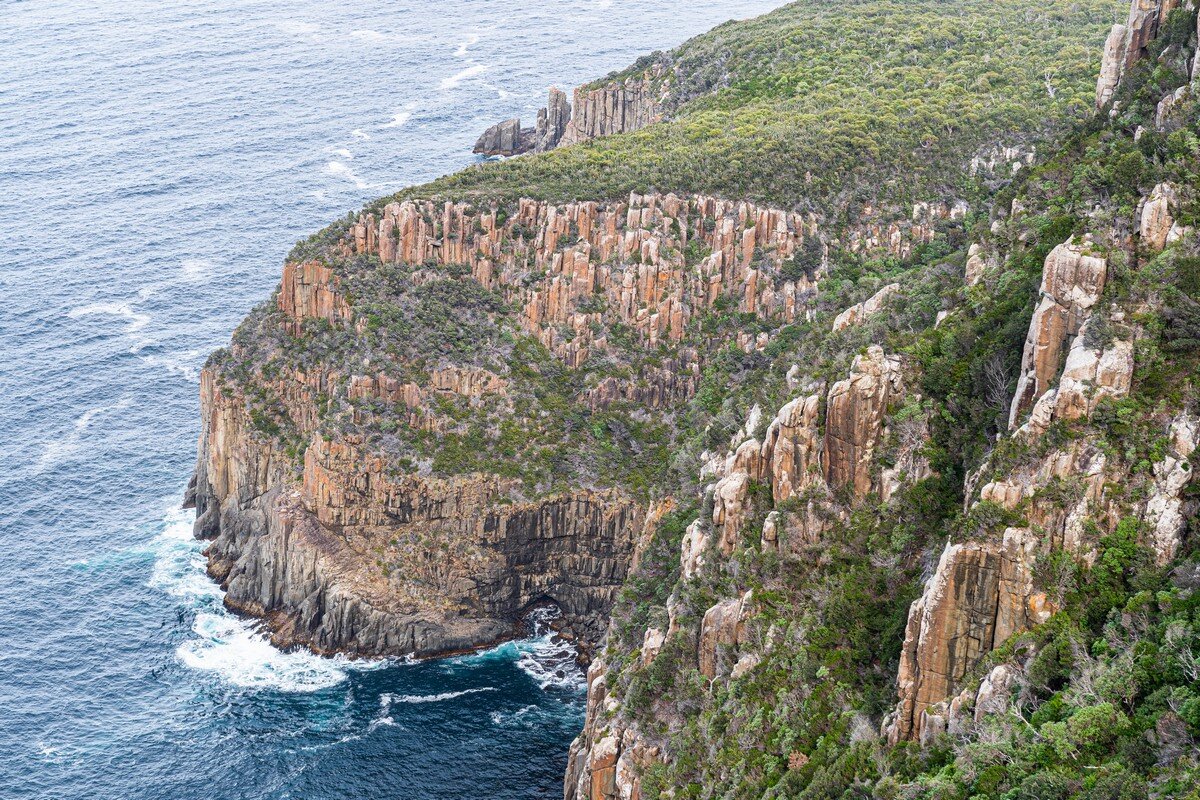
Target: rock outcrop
(1112, 64)
(722, 630)
(793, 445)
(1163, 511)
(1157, 225)
(629, 258)
(352, 559)
(983, 592)
(612, 108)
(605, 761)
(854, 420)
(867, 308)
(1127, 43)
(552, 121)
(505, 138)
(598, 110)
(1072, 282)
(979, 595)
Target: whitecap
(400, 117)
(368, 35)
(340, 170)
(462, 75)
(461, 51)
(387, 699)
(342, 152)
(49, 752)
(359, 133)
(137, 320)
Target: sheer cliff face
(346, 548)
(352, 559)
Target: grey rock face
(505, 139)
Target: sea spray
(232, 648)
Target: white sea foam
(340, 170)
(297, 28)
(185, 363)
(196, 268)
(369, 35)
(387, 700)
(342, 152)
(62, 449)
(461, 51)
(522, 717)
(231, 648)
(359, 133)
(51, 753)
(137, 320)
(462, 75)
(545, 657)
(240, 655)
(401, 117)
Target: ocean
(157, 160)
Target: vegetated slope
(831, 106)
(1028, 453)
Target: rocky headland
(837, 495)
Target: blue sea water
(157, 160)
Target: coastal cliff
(849, 467)
(603, 109)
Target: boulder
(1158, 216)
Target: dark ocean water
(157, 160)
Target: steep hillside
(1026, 454)
(844, 411)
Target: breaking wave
(386, 700)
(231, 648)
(462, 75)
